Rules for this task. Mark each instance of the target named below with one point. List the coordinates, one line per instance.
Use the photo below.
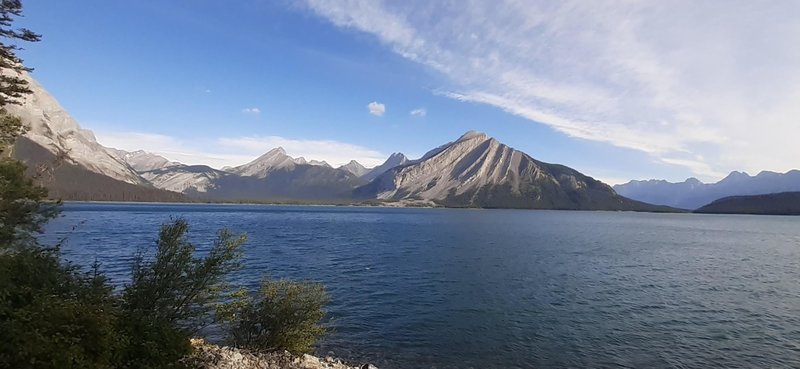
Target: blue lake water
(450, 288)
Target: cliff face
(52, 128)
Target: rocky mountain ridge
(692, 194)
(473, 171)
(478, 171)
(51, 127)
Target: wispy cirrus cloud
(233, 151)
(712, 87)
(253, 111)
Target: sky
(618, 90)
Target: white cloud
(334, 152)
(674, 79)
(419, 112)
(376, 108)
(233, 151)
(254, 111)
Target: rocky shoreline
(210, 356)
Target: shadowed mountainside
(69, 181)
(784, 203)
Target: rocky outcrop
(209, 356)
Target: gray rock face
(187, 179)
(692, 194)
(394, 160)
(479, 171)
(142, 161)
(355, 167)
(53, 128)
(272, 160)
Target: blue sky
(616, 90)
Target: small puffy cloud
(377, 109)
(419, 112)
(251, 111)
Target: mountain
(321, 163)
(68, 181)
(272, 160)
(479, 171)
(142, 161)
(355, 167)
(783, 203)
(272, 176)
(393, 161)
(69, 161)
(691, 194)
(187, 179)
(51, 127)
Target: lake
(457, 288)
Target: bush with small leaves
(173, 295)
(283, 315)
(52, 315)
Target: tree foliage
(172, 295)
(283, 315)
(52, 315)
(23, 209)
(12, 85)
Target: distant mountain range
(692, 194)
(473, 171)
(783, 203)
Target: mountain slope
(68, 181)
(784, 203)
(272, 176)
(393, 161)
(355, 168)
(479, 171)
(188, 179)
(142, 161)
(298, 182)
(51, 127)
(272, 160)
(692, 193)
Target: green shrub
(284, 315)
(172, 295)
(51, 315)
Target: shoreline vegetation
(57, 314)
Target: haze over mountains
(475, 170)
(692, 194)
